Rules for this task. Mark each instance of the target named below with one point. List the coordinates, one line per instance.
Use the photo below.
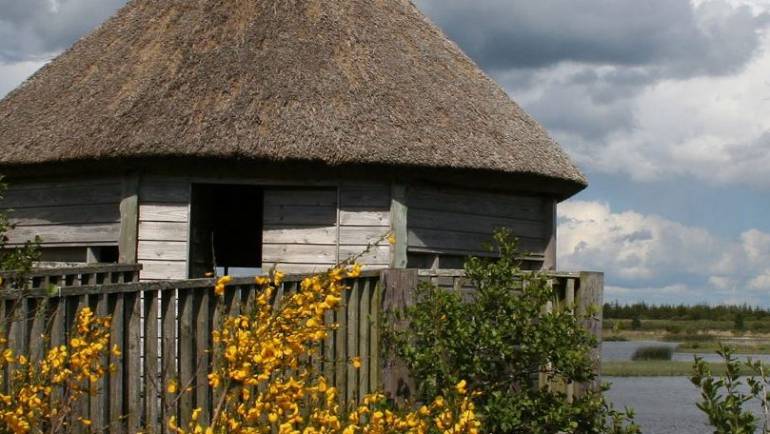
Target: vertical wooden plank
(186, 353)
(132, 355)
(329, 349)
(82, 407)
(399, 288)
(549, 220)
(16, 313)
(98, 411)
(340, 348)
(116, 397)
(168, 363)
(151, 379)
(589, 300)
(569, 294)
(375, 363)
(4, 329)
(398, 222)
(129, 220)
(363, 337)
(569, 301)
(38, 341)
(202, 335)
(58, 337)
(220, 310)
(351, 382)
(15, 317)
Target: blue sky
(662, 103)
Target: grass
(712, 347)
(690, 337)
(660, 352)
(657, 368)
(615, 338)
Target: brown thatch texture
(338, 82)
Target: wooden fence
(164, 331)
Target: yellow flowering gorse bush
(43, 393)
(265, 384)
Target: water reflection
(663, 405)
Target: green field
(655, 368)
(756, 347)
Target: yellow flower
(214, 380)
(219, 290)
(461, 387)
(355, 271)
(262, 280)
(172, 387)
(86, 422)
(278, 278)
(356, 362)
(391, 238)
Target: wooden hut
(183, 134)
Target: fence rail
(164, 331)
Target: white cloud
(12, 75)
(648, 254)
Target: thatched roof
(336, 82)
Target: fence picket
(169, 407)
(202, 336)
(132, 354)
(115, 397)
(173, 342)
(98, 410)
(187, 354)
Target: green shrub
(725, 398)
(503, 341)
(653, 353)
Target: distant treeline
(644, 311)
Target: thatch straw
(336, 82)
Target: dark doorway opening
(226, 229)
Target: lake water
(662, 405)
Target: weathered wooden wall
(455, 222)
(306, 228)
(163, 228)
(65, 213)
(365, 221)
(311, 229)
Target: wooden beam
(129, 220)
(398, 224)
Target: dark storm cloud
(30, 29)
(674, 36)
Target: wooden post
(590, 297)
(129, 220)
(132, 367)
(116, 418)
(399, 286)
(169, 351)
(398, 224)
(549, 218)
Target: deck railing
(164, 331)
